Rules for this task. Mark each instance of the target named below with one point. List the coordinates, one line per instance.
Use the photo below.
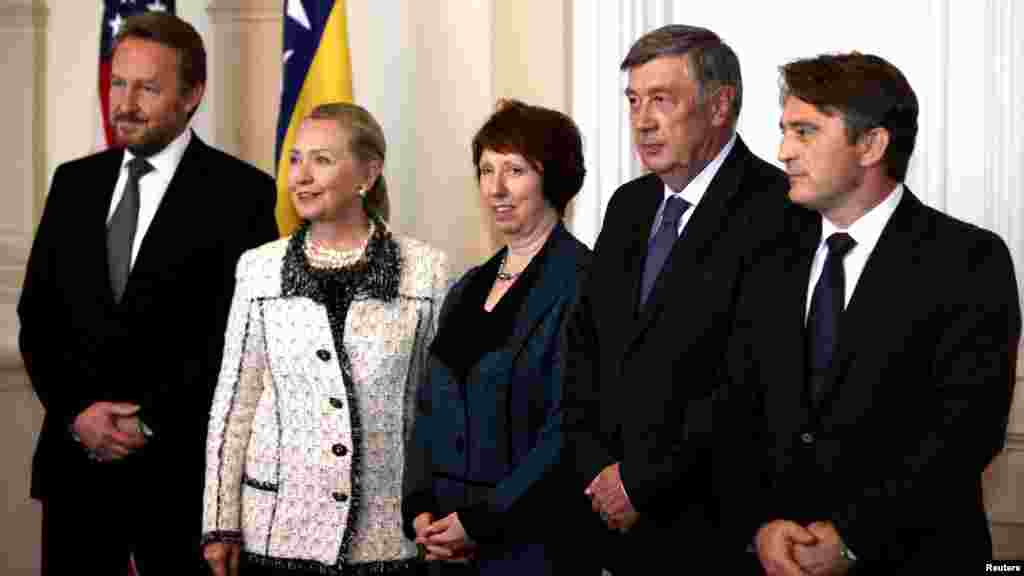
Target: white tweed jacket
(309, 422)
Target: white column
(22, 42)
(23, 163)
(244, 78)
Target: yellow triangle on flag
(329, 80)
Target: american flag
(114, 14)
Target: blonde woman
(326, 341)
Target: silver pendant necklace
(503, 275)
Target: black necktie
(826, 307)
(660, 245)
(121, 228)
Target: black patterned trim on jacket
(374, 276)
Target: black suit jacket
(160, 347)
(918, 399)
(636, 380)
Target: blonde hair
(366, 144)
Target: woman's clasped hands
(444, 539)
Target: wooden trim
(244, 10)
(20, 15)
(1015, 442)
(10, 362)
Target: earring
(361, 192)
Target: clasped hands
(444, 539)
(109, 430)
(786, 548)
(609, 499)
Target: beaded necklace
(321, 255)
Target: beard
(147, 141)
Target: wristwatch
(845, 553)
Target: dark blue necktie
(826, 308)
(660, 245)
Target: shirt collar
(696, 188)
(166, 161)
(867, 229)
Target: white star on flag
(297, 12)
(157, 6)
(284, 63)
(115, 25)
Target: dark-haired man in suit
(123, 313)
(874, 346)
(645, 340)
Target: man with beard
(123, 313)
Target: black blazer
(489, 445)
(161, 346)
(636, 378)
(919, 398)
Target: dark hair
(173, 32)
(366, 143)
(867, 91)
(544, 137)
(711, 61)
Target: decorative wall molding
(28, 14)
(244, 10)
(10, 361)
(1015, 442)
(23, 24)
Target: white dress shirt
(866, 231)
(693, 191)
(152, 186)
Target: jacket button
(339, 450)
(807, 438)
(340, 497)
(460, 444)
(323, 355)
(336, 403)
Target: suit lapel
(96, 235)
(647, 208)
(782, 325)
(809, 239)
(168, 229)
(859, 322)
(552, 284)
(698, 237)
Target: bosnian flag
(114, 14)
(316, 71)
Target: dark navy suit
(915, 409)
(487, 443)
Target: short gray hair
(712, 62)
